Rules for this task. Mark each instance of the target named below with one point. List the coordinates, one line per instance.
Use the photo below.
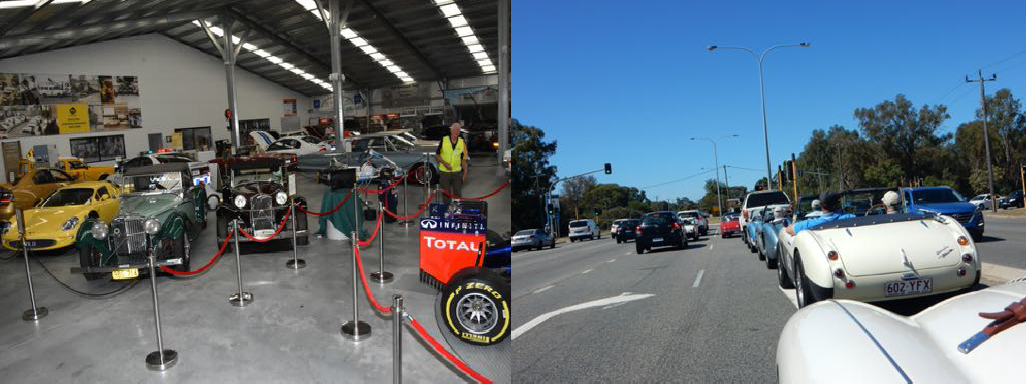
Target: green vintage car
(161, 212)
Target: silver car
(532, 238)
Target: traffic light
(609, 168)
(598, 211)
(552, 210)
(789, 170)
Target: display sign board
(290, 107)
(176, 140)
(73, 118)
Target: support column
(228, 54)
(503, 68)
(336, 77)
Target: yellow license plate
(122, 274)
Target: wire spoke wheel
(477, 313)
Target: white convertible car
(877, 256)
(843, 341)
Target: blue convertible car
(774, 219)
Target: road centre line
(698, 279)
(623, 298)
(589, 270)
(611, 261)
(543, 289)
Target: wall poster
(33, 104)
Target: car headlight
(70, 224)
(240, 201)
(151, 226)
(99, 230)
(281, 198)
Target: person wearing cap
(830, 202)
(817, 209)
(452, 162)
(891, 202)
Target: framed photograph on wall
(98, 148)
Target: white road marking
(611, 261)
(711, 245)
(627, 254)
(698, 280)
(543, 289)
(623, 298)
(789, 293)
(614, 305)
(589, 270)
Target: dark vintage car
(256, 191)
(659, 229)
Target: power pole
(986, 134)
(726, 182)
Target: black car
(659, 229)
(626, 230)
(1014, 199)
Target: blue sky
(630, 82)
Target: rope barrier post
(239, 299)
(36, 312)
(161, 359)
(355, 330)
(406, 210)
(296, 262)
(381, 276)
(397, 339)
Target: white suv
(584, 229)
(757, 200)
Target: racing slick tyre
(638, 248)
(90, 257)
(476, 308)
(782, 278)
(803, 291)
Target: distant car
(875, 256)
(982, 201)
(701, 220)
(772, 223)
(690, 228)
(730, 226)
(532, 238)
(945, 201)
(626, 230)
(83, 172)
(757, 200)
(1013, 200)
(659, 229)
(870, 344)
(616, 225)
(584, 229)
(752, 227)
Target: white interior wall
(179, 87)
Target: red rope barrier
(273, 235)
(448, 355)
(495, 192)
(337, 207)
(204, 268)
(413, 216)
(366, 287)
(376, 230)
(386, 188)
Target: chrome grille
(262, 213)
(127, 236)
(962, 217)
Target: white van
(584, 229)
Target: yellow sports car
(29, 190)
(76, 167)
(55, 222)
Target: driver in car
(830, 205)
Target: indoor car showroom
(255, 191)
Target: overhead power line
(679, 180)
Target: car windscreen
(66, 197)
(763, 199)
(688, 214)
(940, 195)
(657, 219)
(526, 232)
(243, 176)
(578, 224)
(163, 182)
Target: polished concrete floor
(290, 333)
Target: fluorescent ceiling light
(458, 21)
(297, 71)
(402, 74)
(286, 65)
(480, 56)
(464, 31)
(250, 47)
(307, 76)
(386, 62)
(470, 40)
(261, 53)
(475, 48)
(378, 57)
(358, 41)
(307, 4)
(393, 68)
(348, 33)
(274, 59)
(369, 49)
(442, 2)
(484, 62)
(450, 10)
(488, 68)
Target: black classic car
(256, 191)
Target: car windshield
(805, 206)
(938, 195)
(67, 197)
(688, 214)
(162, 182)
(764, 199)
(259, 174)
(658, 218)
(526, 232)
(578, 224)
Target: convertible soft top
(157, 168)
(872, 220)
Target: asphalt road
(595, 311)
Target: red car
(731, 225)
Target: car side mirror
(213, 202)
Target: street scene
(763, 192)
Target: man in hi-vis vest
(452, 162)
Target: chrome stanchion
(397, 339)
(355, 330)
(381, 276)
(36, 312)
(296, 262)
(239, 299)
(161, 359)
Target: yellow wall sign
(73, 118)
(176, 140)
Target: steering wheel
(874, 206)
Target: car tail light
(745, 214)
(832, 255)
(676, 225)
(849, 284)
(962, 240)
(839, 273)
(961, 271)
(967, 257)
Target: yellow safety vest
(453, 155)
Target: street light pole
(716, 165)
(762, 96)
(986, 136)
